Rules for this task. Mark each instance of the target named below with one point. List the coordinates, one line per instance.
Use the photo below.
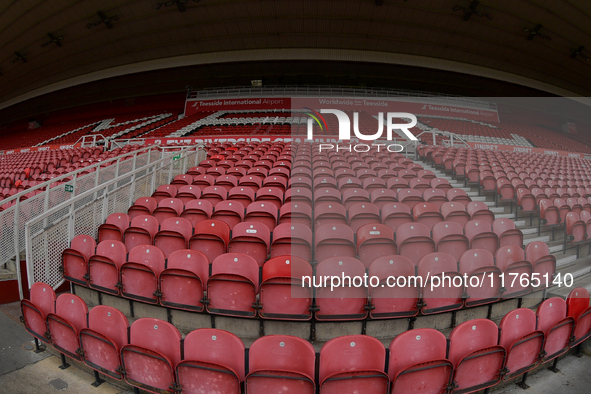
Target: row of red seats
(152, 355)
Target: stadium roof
(48, 45)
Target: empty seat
(139, 276)
(153, 352)
(163, 192)
(477, 358)
(187, 193)
(507, 233)
(262, 212)
(104, 266)
(480, 235)
(353, 363)
(104, 338)
(183, 282)
(252, 239)
(576, 229)
(410, 197)
(414, 241)
(35, 310)
(544, 263)
(211, 237)
(511, 261)
(549, 214)
(75, 259)
(578, 309)
(395, 214)
(64, 325)
(141, 232)
(292, 239)
(396, 295)
(556, 326)
(440, 295)
(142, 206)
(280, 363)
(449, 238)
(521, 340)
(483, 281)
(284, 292)
(334, 240)
(229, 212)
(233, 285)
(272, 195)
(197, 211)
(113, 227)
(214, 194)
(174, 235)
(330, 213)
(213, 362)
(418, 362)
(168, 208)
(374, 240)
(455, 212)
(363, 213)
(479, 211)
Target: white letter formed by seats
(345, 125)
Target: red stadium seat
(211, 237)
(449, 238)
(35, 310)
(280, 363)
(334, 240)
(142, 206)
(480, 235)
(141, 232)
(164, 192)
(104, 266)
(522, 342)
(229, 212)
(476, 355)
(511, 261)
(479, 211)
(184, 280)
(345, 301)
(578, 309)
(427, 214)
(233, 285)
(361, 214)
(284, 293)
(353, 363)
(556, 326)
(262, 212)
(507, 233)
(71, 314)
(393, 301)
(544, 263)
(102, 341)
(293, 239)
(213, 359)
(139, 276)
(75, 259)
(153, 352)
(414, 241)
(114, 227)
(373, 241)
(455, 212)
(480, 263)
(196, 211)
(443, 295)
(252, 239)
(419, 355)
(174, 234)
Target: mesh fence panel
(50, 232)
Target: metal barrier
(49, 232)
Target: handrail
(99, 197)
(445, 134)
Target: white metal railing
(453, 138)
(50, 232)
(13, 218)
(335, 91)
(91, 140)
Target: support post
(523, 383)
(64, 365)
(97, 380)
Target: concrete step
(533, 239)
(562, 262)
(563, 291)
(508, 216)
(530, 230)
(556, 248)
(468, 192)
(579, 268)
(494, 209)
(518, 223)
(479, 198)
